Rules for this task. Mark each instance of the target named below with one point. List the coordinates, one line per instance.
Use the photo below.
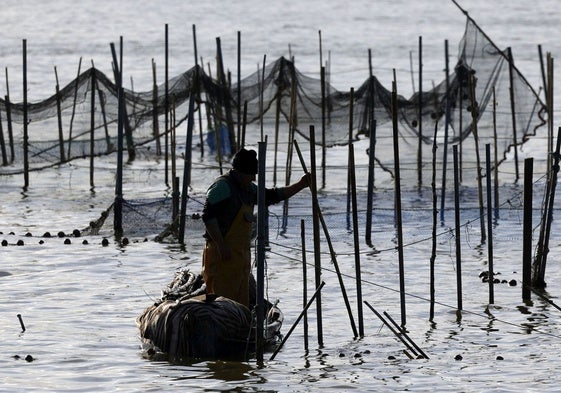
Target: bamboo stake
(420, 115)
(446, 125)
(166, 104)
(69, 155)
(304, 283)
(404, 334)
(101, 99)
(261, 98)
(351, 109)
(434, 223)
(539, 277)
(242, 143)
(261, 244)
(155, 121)
(186, 169)
(513, 111)
(371, 151)
(323, 130)
(59, 118)
(489, 224)
(457, 229)
(277, 125)
(10, 129)
(496, 156)
(291, 129)
(389, 326)
(25, 132)
(92, 128)
(315, 223)
(198, 90)
(118, 204)
(3, 145)
(9, 118)
(172, 137)
(397, 185)
(319, 216)
(239, 103)
(175, 199)
(550, 105)
(226, 96)
(527, 230)
(474, 119)
(352, 178)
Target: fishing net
(483, 102)
(150, 218)
(80, 120)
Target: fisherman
(228, 217)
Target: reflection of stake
(397, 334)
(21, 323)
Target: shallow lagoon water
(78, 301)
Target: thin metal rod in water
(186, 169)
(356, 240)
(489, 223)
(457, 228)
(261, 244)
(304, 281)
(397, 185)
(316, 293)
(389, 326)
(527, 229)
(402, 331)
(21, 323)
(319, 215)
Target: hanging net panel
(483, 99)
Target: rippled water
(78, 301)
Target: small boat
(186, 323)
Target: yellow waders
(231, 278)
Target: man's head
(245, 162)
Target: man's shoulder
(219, 190)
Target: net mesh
(80, 120)
(484, 92)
